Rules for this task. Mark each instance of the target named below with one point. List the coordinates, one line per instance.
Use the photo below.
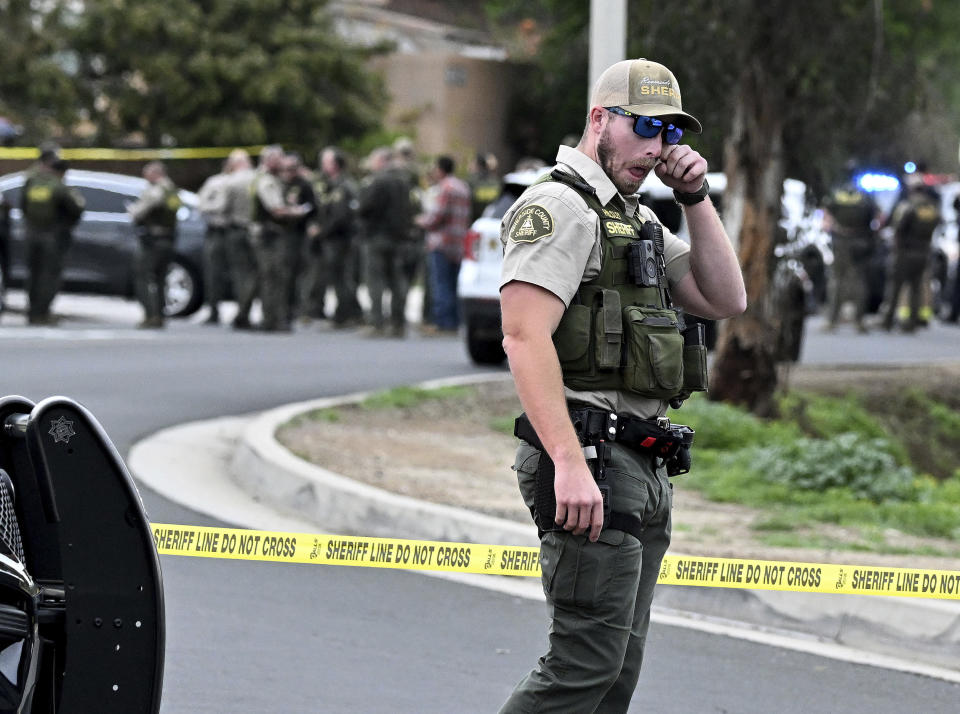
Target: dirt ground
(446, 451)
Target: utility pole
(608, 37)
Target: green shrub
(846, 461)
(825, 416)
(946, 420)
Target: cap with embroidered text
(643, 87)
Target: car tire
(184, 289)
(483, 350)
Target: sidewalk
(234, 470)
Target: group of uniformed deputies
(51, 209)
(286, 234)
(854, 221)
(280, 233)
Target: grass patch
(406, 397)
(776, 523)
(329, 415)
(502, 424)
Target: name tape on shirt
(317, 549)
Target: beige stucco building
(449, 87)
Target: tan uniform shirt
(237, 197)
(564, 251)
(153, 195)
(270, 192)
(212, 200)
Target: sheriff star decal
(61, 430)
(531, 223)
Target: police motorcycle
(794, 294)
(81, 593)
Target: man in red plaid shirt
(446, 223)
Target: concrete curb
(925, 631)
(271, 474)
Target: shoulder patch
(530, 224)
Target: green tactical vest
(851, 209)
(617, 335)
(916, 230)
(40, 200)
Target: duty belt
(595, 429)
(594, 425)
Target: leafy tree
(783, 89)
(552, 37)
(222, 72)
(815, 83)
(36, 89)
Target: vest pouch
(695, 375)
(609, 330)
(572, 339)
(40, 209)
(654, 362)
(695, 372)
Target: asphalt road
(248, 638)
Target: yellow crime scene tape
(314, 549)
(25, 153)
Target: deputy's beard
(605, 154)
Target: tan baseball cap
(643, 87)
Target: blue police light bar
(873, 183)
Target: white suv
(478, 286)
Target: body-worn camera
(643, 256)
(642, 263)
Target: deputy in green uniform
(386, 213)
(155, 215)
(333, 237)
(597, 352)
(850, 214)
(269, 227)
(914, 221)
(484, 184)
(50, 210)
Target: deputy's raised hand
(681, 168)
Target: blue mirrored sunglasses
(649, 127)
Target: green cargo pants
(243, 272)
(598, 594)
(215, 267)
(45, 250)
(387, 269)
(150, 275)
(272, 249)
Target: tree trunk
(744, 371)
